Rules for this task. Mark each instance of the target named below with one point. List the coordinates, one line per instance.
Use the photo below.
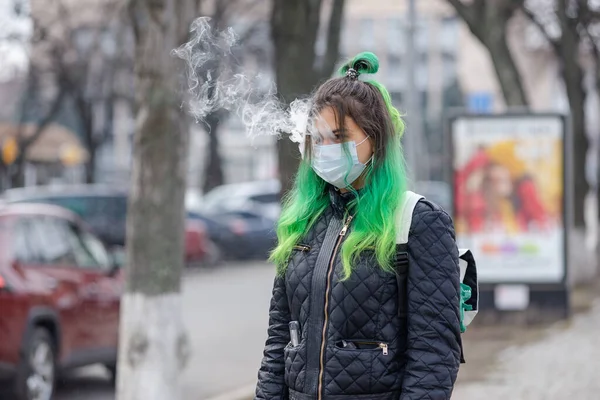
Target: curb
(242, 393)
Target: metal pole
(413, 129)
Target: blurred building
(49, 157)
(84, 36)
(448, 53)
(452, 70)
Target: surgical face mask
(331, 163)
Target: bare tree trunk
(596, 53)
(488, 21)
(580, 146)
(505, 67)
(566, 48)
(90, 165)
(153, 346)
(86, 116)
(213, 171)
(17, 172)
(573, 77)
(294, 28)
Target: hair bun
(363, 63)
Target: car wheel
(37, 368)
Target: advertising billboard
(508, 192)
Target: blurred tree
(295, 27)
(35, 105)
(41, 112)
(488, 21)
(223, 15)
(591, 24)
(563, 25)
(80, 56)
(153, 346)
(76, 53)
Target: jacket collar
(339, 201)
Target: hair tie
(352, 74)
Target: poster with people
(508, 195)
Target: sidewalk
(562, 365)
(485, 347)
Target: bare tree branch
(595, 52)
(531, 17)
(466, 12)
(45, 121)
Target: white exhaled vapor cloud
(213, 84)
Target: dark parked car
(243, 217)
(59, 299)
(240, 235)
(104, 209)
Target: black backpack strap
(401, 266)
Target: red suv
(59, 298)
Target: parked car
(104, 209)
(257, 197)
(240, 235)
(59, 298)
(243, 217)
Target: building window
(449, 35)
(422, 71)
(421, 36)
(449, 69)
(396, 36)
(367, 33)
(347, 38)
(396, 73)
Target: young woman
(346, 322)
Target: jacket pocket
(295, 365)
(372, 367)
(301, 247)
(363, 344)
(299, 253)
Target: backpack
(469, 286)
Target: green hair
(375, 205)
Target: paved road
(227, 334)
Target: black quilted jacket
(375, 336)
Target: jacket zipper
(384, 348)
(381, 345)
(327, 290)
(301, 247)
